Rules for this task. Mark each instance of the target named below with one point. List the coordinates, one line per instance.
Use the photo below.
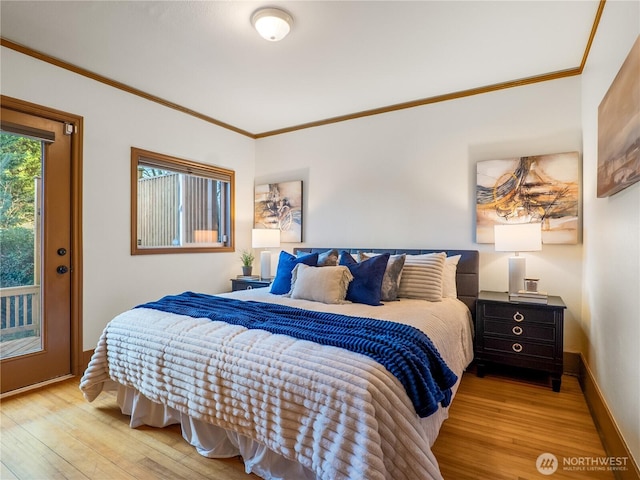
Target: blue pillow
(286, 263)
(366, 286)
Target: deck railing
(20, 309)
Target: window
(179, 206)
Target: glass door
(35, 235)
(20, 241)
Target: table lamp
(265, 238)
(521, 237)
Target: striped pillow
(422, 277)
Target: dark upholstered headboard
(467, 277)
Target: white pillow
(449, 289)
(320, 284)
(422, 277)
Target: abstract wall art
(619, 129)
(537, 189)
(279, 205)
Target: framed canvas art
(279, 205)
(619, 129)
(537, 189)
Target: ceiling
(340, 58)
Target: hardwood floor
(53, 433)
(499, 425)
(496, 430)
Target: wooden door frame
(77, 359)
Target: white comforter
(339, 414)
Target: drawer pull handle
(517, 330)
(518, 317)
(249, 287)
(516, 347)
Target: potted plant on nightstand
(247, 262)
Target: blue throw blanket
(402, 349)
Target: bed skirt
(214, 442)
(209, 441)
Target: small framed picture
(531, 284)
(279, 206)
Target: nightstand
(519, 334)
(249, 283)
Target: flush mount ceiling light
(272, 24)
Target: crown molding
(426, 101)
(342, 118)
(115, 84)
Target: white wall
(407, 178)
(115, 121)
(612, 239)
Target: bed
(293, 408)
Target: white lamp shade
(522, 237)
(265, 237)
(272, 24)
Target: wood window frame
(180, 165)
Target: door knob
(62, 252)
(62, 269)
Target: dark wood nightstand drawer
(519, 313)
(523, 330)
(248, 284)
(519, 348)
